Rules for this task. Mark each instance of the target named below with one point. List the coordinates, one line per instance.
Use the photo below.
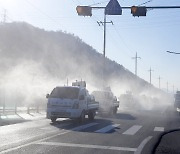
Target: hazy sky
(149, 36)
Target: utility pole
(4, 16)
(173, 89)
(136, 57)
(104, 44)
(67, 81)
(159, 82)
(104, 24)
(150, 73)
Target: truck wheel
(53, 119)
(82, 117)
(91, 115)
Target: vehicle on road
(108, 103)
(71, 102)
(177, 102)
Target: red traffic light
(138, 11)
(84, 10)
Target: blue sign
(113, 8)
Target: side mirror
(81, 97)
(47, 96)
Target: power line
(43, 13)
(146, 2)
(98, 3)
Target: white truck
(108, 103)
(72, 102)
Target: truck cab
(108, 103)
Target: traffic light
(84, 10)
(138, 11)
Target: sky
(149, 36)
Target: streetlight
(173, 52)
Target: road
(126, 133)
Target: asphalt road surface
(126, 133)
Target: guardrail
(15, 110)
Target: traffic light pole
(104, 46)
(104, 41)
(135, 10)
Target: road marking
(57, 126)
(84, 126)
(159, 129)
(61, 133)
(88, 146)
(107, 128)
(73, 129)
(141, 146)
(24, 145)
(133, 130)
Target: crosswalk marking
(132, 130)
(107, 128)
(88, 146)
(54, 126)
(84, 126)
(159, 129)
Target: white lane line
(141, 146)
(24, 145)
(107, 128)
(159, 129)
(41, 140)
(88, 146)
(133, 130)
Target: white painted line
(61, 133)
(84, 126)
(133, 130)
(141, 146)
(88, 146)
(159, 129)
(107, 128)
(24, 145)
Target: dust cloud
(34, 61)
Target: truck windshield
(177, 98)
(102, 95)
(65, 93)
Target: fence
(17, 109)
